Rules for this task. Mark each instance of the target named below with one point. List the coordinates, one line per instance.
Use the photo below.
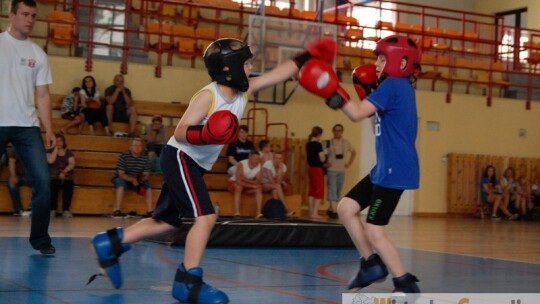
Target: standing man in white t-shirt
(24, 83)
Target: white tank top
(206, 155)
(249, 173)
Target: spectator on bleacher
(61, 165)
(209, 123)
(316, 157)
(94, 109)
(16, 179)
(132, 173)
(247, 179)
(71, 109)
(341, 155)
(3, 160)
(24, 92)
(156, 138)
(509, 187)
(523, 195)
(535, 192)
(274, 178)
(239, 150)
(265, 151)
(120, 105)
(490, 190)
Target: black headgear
(231, 53)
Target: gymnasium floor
(455, 255)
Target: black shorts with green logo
(381, 201)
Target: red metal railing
(477, 36)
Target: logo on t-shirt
(31, 63)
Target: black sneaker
(116, 213)
(47, 249)
(148, 214)
(331, 214)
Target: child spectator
(316, 156)
(156, 138)
(265, 150)
(239, 150)
(509, 188)
(490, 190)
(71, 109)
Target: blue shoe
(188, 287)
(108, 247)
(406, 284)
(371, 270)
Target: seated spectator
(61, 164)
(156, 138)
(17, 178)
(265, 151)
(93, 109)
(120, 106)
(523, 195)
(488, 190)
(508, 184)
(3, 160)
(535, 192)
(239, 150)
(132, 172)
(274, 178)
(247, 179)
(71, 109)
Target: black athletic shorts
(184, 193)
(381, 201)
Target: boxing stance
(386, 95)
(210, 121)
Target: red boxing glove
(220, 128)
(323, 49)
(319, 78)
(364, 79)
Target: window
(511, 42)
(109, 29)
(368, 18)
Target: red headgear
(395, 48)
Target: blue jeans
(334, 180)
(120, 182)
(28, 143)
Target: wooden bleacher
(96, 158)
(144, 108)
(465, 172)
